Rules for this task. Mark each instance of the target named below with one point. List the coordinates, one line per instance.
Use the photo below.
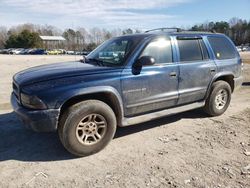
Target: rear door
(196, 69)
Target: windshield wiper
(97, 61)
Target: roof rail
(171, 29)
(190, 31)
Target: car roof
(181, 34)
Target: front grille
(16, 91)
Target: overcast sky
(141, 14)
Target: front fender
(89, 90)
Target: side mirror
(142, 61)
(146, 60)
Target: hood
(57, 70)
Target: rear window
(222, 47)
(190, 50)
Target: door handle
(172, 74)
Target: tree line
(237, 29)
(27, 35)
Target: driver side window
(160, 50)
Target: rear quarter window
(222, 48)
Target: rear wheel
(219, 98)
(87, 127)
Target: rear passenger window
(222, 48)
(190, 50)
(160, 50)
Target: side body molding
(162, 113)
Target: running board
(155, 115)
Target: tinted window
(222, 48)
(190, 50)
(160, 50)
(204, 50)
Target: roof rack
(176, 29)
(167, 29)
(190, 31)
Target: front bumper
(238, 82)
(37, 120)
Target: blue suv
(127, 80)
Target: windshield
(113, 52)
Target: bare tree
(81, 39)
(3, 36)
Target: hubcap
(91, 129)
(221, 99)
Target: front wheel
(87, 127)
(219, 98)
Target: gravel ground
(11, 64)
(185, 150)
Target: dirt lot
(185, 150)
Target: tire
(87, 127)
(218, 99)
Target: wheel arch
(229, 78)
(110, 96)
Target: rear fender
(215, 78)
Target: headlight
(32, 102)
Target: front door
(156, 86)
